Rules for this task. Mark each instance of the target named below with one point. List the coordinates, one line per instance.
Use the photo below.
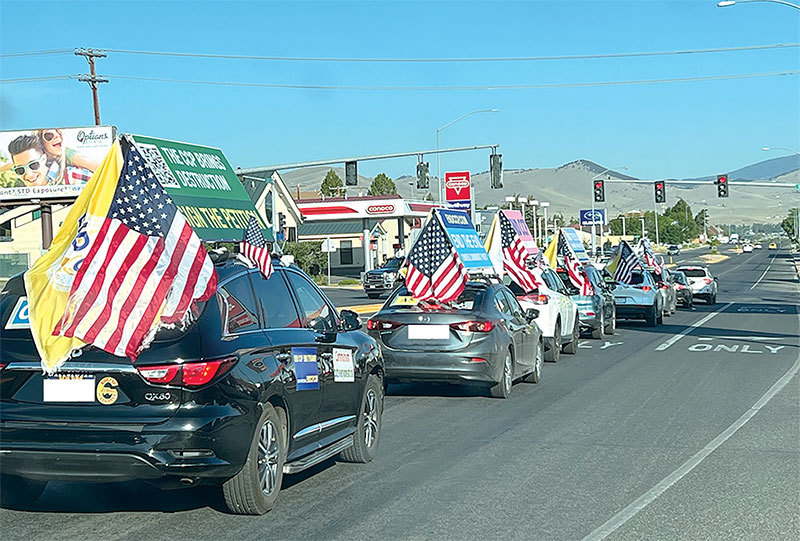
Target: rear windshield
(679, 277)
(470, 299)
(518, 291)
(567, 283)
(694, 273)
(636, 278)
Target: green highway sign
(204, 186)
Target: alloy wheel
(539, 359)
(370, 418)
(268, 452)
(507, 372)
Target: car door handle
(282, 357)
(326, 356)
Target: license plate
(622, 300)
(428, 332)
(79, 388)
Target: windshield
(393, 263)
(694, 273)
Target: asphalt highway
(686, 431)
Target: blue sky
(669, 130)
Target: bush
(308, 256)
(349, 282)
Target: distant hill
(766, 170)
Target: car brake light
(707, 280)
(477, 360)
(381, 325)
(646, 288)
(590, 314)
(535, 299)
(159, 374)
(679, 286)
(473, 326)
(664, 286)
(190, 374)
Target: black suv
(269, 380)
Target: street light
(780, 148)
(544, 205)
(438, 130)
(728, 3)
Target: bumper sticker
(306, 369)
(343, 365)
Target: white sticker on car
(343, 369)
(19, 315)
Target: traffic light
(599, 191)
(722, 185)
(422, 176)
(281, 221)
(661, 191)
(351, 174)
(496, 170)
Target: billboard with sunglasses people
(50, 163)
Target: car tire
(502, 389)
(254, 490)
(713, 299)
(367, 436)
(652, 318)
(19, 492)
(612, 325)
(536, 375)
(660, 320)
(571, 347)
(597, 333)
(553, 353)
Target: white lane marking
(752, 287)
(614, 523)
(690, 328)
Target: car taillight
(590, 314)
(189, 374)
(535, 299)
(473, 326)
(646, 288)
(679, 286)
(381, 325)
(707, 280)
(664, 286)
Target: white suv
(558, 313)
(703, 284)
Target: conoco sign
(457, 186)
(380, 209)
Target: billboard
(593, 217)
(204, 186)
(50, 163)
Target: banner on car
(50, 163)
(575, 244)
(204, 186)
(465, 240)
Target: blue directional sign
(465, 239)
(593, 217)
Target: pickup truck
(384, 279)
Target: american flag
(514, 255)
(254, 247)
(574, 270)
(621, 268)
(145, 267)
(434, 269)
(649, 255)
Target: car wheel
(553, 352)
(660, 319)
(597, 333)
(571, 347)
(713, 299)
(19, 492)
(612, 325)
(652, 318)
(254, 490)
(368, 432)
(536, 375)
(502, 389)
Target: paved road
(642, 418)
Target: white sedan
(747, 248)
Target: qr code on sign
(156, 162)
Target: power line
(479, 59)
(38, 79)
(37, 53)
(459, 87)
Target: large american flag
(577, 276)
(514, 255)
(145, 267)
(649, 255)
(623, 265)
(434, 269)
(254, 247)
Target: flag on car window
(621, 267)
(514, 255)
(577, 276)
(649, 255)
(254, 247)
(434, 269)
(124, 264)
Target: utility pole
(92, 78)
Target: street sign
(328, 245)
(593, 217)
(458, 190)
(465, 239)
(204, 186)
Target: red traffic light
(722, 179)
(598, 184)
(660, 185)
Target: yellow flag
(552, 248)
(49, 280)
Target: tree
(382, 185)
(308, 256)
(788, 223)
(332, 185)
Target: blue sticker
(306, 369)
(19, 315)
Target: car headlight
(390, 276)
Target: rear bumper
(634, 311)
(589, 323)
(684, 297)
(442, 366)
(181, 448)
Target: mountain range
(568, 188)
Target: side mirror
(350, 320)
(531, 314)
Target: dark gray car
(597, 313)
(483, 338)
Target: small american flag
(434, 269)
(575, 272)
(649, 255)
(514, 255)
(145, 266)
(621, 268)
(254, 247)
